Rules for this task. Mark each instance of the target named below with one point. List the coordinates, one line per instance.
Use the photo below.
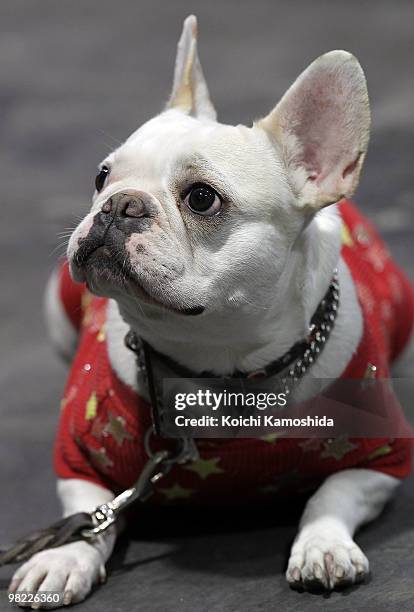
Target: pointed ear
(321, 126)
(190, 92)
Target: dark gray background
(77, 77)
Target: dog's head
(193, 217)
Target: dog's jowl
(216, 245)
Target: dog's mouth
(107, 273)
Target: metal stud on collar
(318, 337)
(134, 343)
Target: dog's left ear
(190, 92)
(321, 127)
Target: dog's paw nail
(317, 571)
(13, 586)
(360, 571)
(102, 574)
(328, 558)
(67, 598)
(295, 574)
(329, 564)
(339, 572)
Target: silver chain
(319, 337)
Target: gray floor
(74, 79)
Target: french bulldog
(224, 238)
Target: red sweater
(103, 421)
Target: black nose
(135, 204)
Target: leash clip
(107, 514)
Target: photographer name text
(260, 420)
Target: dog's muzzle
(123, 214)
(129, 205)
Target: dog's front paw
(323, 559)
(71, 570)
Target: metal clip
(106, 515)
(186, 449)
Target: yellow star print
(272, 437)
(379, 452)
(176, 492)
(91, 406)
(346, 236)
(337, 448)
(205, 467)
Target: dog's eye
(101, 178)
(203, 200)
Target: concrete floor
(75, 78)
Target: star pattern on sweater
(176, 492)
(116, 427)
(310, 444)
(362, 235)
(377, 256)
(99, 457)
(205, 467)
(69, 396)
(86, 300)
(272, 437)
(385, 449)
(98, 427)
(346, 236)
(397, 290)
(101, 334)
(91, 407)
(365, 296)
(337, 448)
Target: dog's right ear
(190, 93)
(321, 127)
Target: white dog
(230, 249)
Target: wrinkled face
(187, 216)
(192, 217)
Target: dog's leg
(62, 333)
(73, 568)
(324, 553)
